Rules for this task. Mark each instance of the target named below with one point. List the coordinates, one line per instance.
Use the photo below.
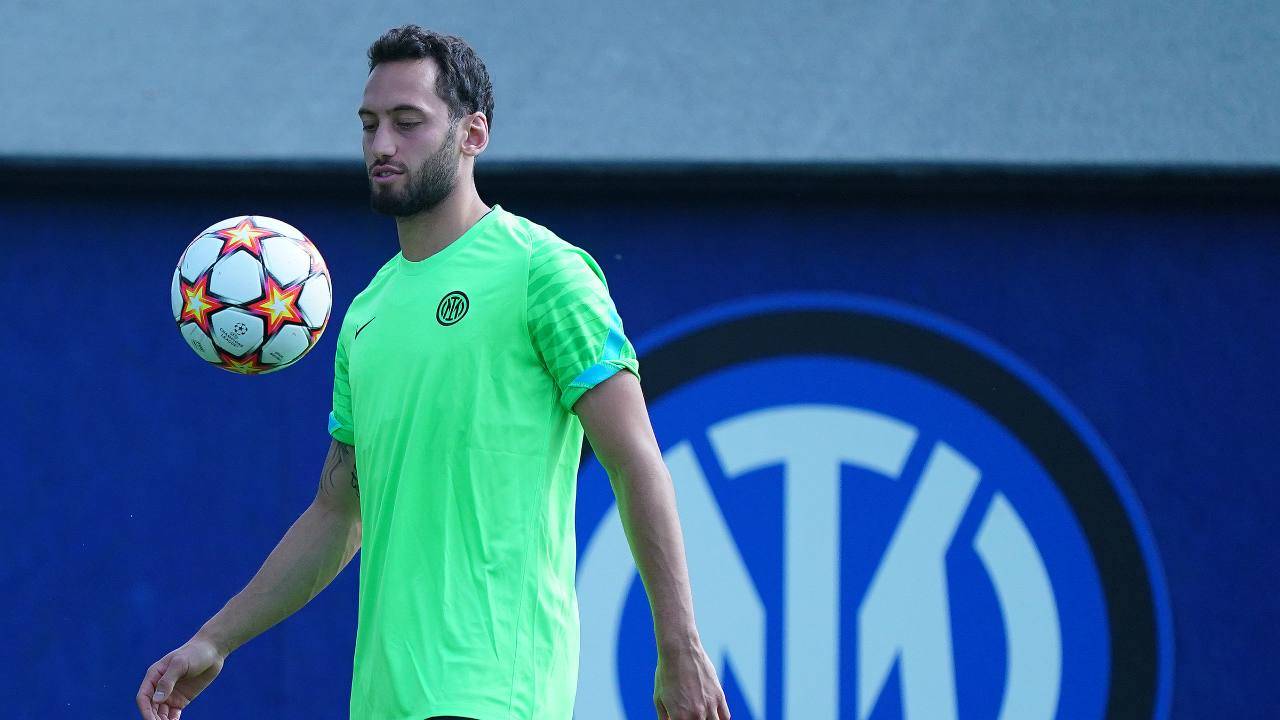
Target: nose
(382, 145)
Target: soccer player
(466, 374)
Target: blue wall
(146, 488)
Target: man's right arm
(313, 551)
(309, 556)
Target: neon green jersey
(455, 380)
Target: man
(466, 374)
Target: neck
(431, 231)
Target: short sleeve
(573, 323)
(340, 425)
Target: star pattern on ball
(247, 366)
(280, 305)
(197, 304)
(244, 235)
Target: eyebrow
(398, 108)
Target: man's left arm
(616, 423)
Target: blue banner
(935, 459)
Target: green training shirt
(455, 379)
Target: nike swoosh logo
(362, 327)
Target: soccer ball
(251, 294)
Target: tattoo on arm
(340, 457)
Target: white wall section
(1042, 82)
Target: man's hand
(177, 678)
(685, 687)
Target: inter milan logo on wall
(452, 307)
(887, 517)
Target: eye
(369, 128)
(408, 125)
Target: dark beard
(427, 186)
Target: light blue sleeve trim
(610, 363)
(340, 432)
(594, 375)
(613, 344)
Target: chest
(439, 332)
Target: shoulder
(550, 257)
(379, 279)
(540, 242)
(376, 283)
(360, 308)
(554, 258)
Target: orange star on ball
(246, 235)
(246, 366)
(279, 306)
(197, 304)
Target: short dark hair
(463, 82)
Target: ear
(475, 138)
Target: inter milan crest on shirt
(452, 308)
(887, 517)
